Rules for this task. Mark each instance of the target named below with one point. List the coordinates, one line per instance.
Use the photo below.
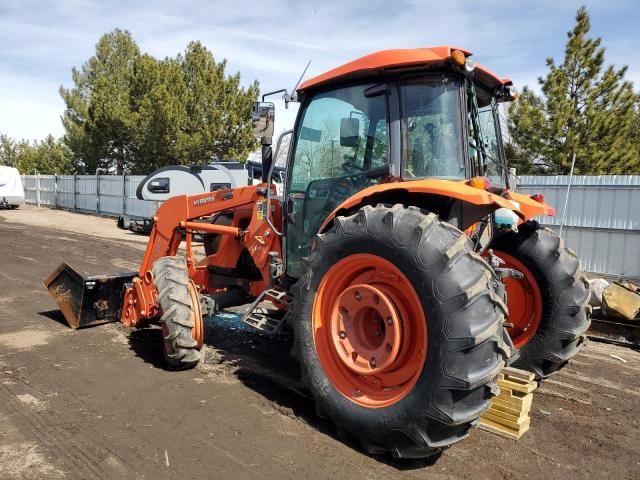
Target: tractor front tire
(398, 330)
(548, 308)
(181, 320)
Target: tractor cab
(393, 116)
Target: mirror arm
(282, 90)
(267, 157)
(293, 97)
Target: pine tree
(129, 112)
(98, 117)
(49, 156)
(585, 109)
(8, 151)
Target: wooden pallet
(508, 414)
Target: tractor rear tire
(442, 285)
(181, 318)
(562, 314)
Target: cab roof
(386, 60)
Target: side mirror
(349, 132)
(263, 115)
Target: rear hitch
(88, 301)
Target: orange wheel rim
(197, 332)
(524, 302)
(369, 330)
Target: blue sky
(272, 40)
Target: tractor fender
(530, 207)
(446, 188)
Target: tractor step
(278, 294)
(264, 322)
(260, 319)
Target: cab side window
(342, 135)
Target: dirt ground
(97, 403)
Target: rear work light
(538, 197)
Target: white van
(11, 191)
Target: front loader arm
(172, 219)
(174, 213)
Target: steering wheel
(350, 166)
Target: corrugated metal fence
(602, 221)
(110, 195)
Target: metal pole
(124, 194)
(75, 192)
(55, 190)
(566, 198)
(37, 188)
(97, 190)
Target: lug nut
(377, 333)
(372, 362)
(357, 296)
(389, 321)
(342, 334)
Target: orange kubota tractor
(407, 269)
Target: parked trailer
(11, 190)
(172, 180)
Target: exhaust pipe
(88, 301)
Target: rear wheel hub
(366, 329)
(369, 330)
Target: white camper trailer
(173, 180)
(11, 191)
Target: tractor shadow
(263, 364)
(55, 315)
(147, 343)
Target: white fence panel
(603, 201)
(30, 185)
(66, 191)
(111, 191)
(602, 223)
(86, 188)
(48, 190)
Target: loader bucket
(87, 301)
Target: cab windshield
(432, 129)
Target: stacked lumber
(508, 414)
